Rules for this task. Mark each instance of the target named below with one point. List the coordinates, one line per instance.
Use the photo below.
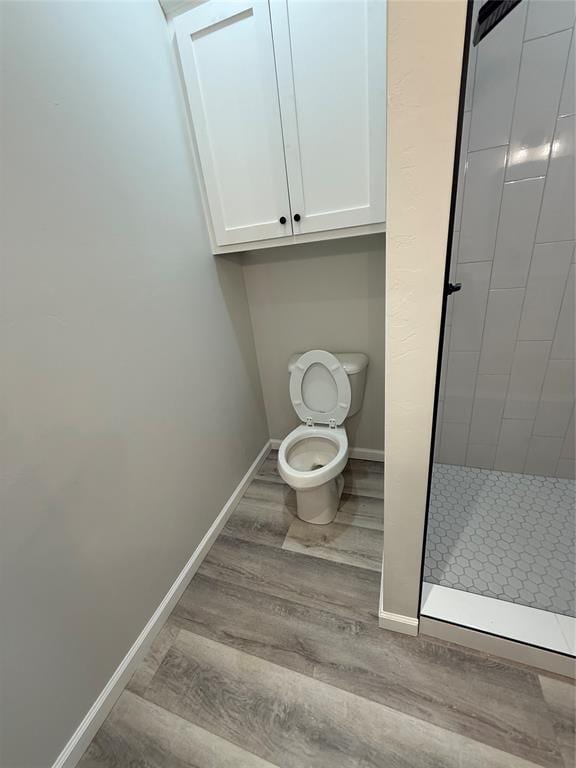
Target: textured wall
(130, 399)
(424, 66)
(320, 295)
(507, 387)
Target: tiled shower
(501, 520)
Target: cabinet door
(228, 66)
(331, 66)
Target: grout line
(485, 149)
(548, 34)
(528, 178)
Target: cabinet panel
(331, 65)
(227, 60)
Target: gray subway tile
(481, 456)
(462, 168)
(568, 447)
(481, 204)
(469, 306)
(516, 232)
(497, 64)
(460, 382)
(444, 364)
(557, 400)
(548, 16)
(566, 468)
(537, 100)
(557, 219)
(564, 338)
(543, 454)
(513, 445)
(528, 371)
(453, 441)
(487, 410)
(501, 330)
(546, 286)
(568, 95)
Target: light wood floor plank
(561, 700)
(360, 547)
(462, 691)
(139, 734)
(148, 666)
(362, 511)
(343, 589)
(294, 721)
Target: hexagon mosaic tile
(503, 535)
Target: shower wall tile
(481, 456)
(497, 64)
(557, 399)
(460, 383)
(564, 338)
(443, 369)
(472, 56)
(528, 372)
(566, 468)
(501, 330)
(453, 441)
(557, 220)
(513, 445)
(537, 100)
(462, 168)
(439, 422)
(549, 270)
(547, 16)
(568, 92)
(487, 410)
(469, 306)
(569, 447)
(516, 232)
(543, 454)
(508, 370)
(481, 204)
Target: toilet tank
(355, 364)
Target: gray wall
(131, 403)
(322, 295)
(507, 389)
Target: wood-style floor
(274, 657)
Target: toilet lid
(320, 388)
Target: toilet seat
(305, 479)
(335, 416)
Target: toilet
(325, 390)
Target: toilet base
(320, 505)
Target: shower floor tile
(503, 535)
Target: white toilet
(325, 389)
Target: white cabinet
(288, 105)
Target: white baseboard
(87, 729)
(370, 454)
(408, 625)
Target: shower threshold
(521, 623)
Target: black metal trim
(500, 637)
(463, 78)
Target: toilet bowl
(312, 457)
(311, 460)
